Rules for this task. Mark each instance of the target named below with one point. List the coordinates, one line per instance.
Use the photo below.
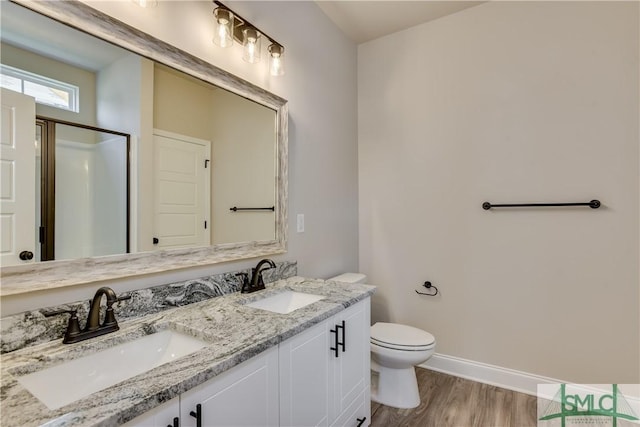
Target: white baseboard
(510, 379)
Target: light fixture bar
(237, 31)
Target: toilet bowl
(395, 350)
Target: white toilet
(395, 350)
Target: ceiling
(360, 20)
(367, 20)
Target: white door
(306, 377)
(246, 395)
(182, 196)
(17, 178)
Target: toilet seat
(402, 348)
(401, 337)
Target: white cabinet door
(357, 414)
(319, 386)
(306, 378)
(352, 371)
(245, 395)
(160, 416)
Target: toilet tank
(350, 278)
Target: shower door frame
(46, 232)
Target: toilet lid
(375, 343)
(394, 335)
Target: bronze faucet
(93, 328)
(257, 282)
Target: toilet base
(397, 388)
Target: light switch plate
(300, 223)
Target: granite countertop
(235, 333)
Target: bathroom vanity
(274, 365)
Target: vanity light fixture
(229, 26)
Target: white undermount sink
(78, 378)
(285, 302)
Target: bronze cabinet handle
(197, 415)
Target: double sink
(83, 376)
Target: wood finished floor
(448, 401)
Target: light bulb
(251, 40)
(146, 3)
(276, 60)
(223, 27)
(223, 36)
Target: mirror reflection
(188, 152)
(81, 192)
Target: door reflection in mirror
(242, 149)
(182, 195)
(17, 179)
(84, 190)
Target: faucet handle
(73, 327)
(260, 283)
(124, 298)
(109, 316)
(244, 281)
(61, 311)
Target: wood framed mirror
(166, 60)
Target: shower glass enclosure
(82, 194)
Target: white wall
(320, 86)
(507, 102)
(244, 169)
(181, 104)
(125, 104)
